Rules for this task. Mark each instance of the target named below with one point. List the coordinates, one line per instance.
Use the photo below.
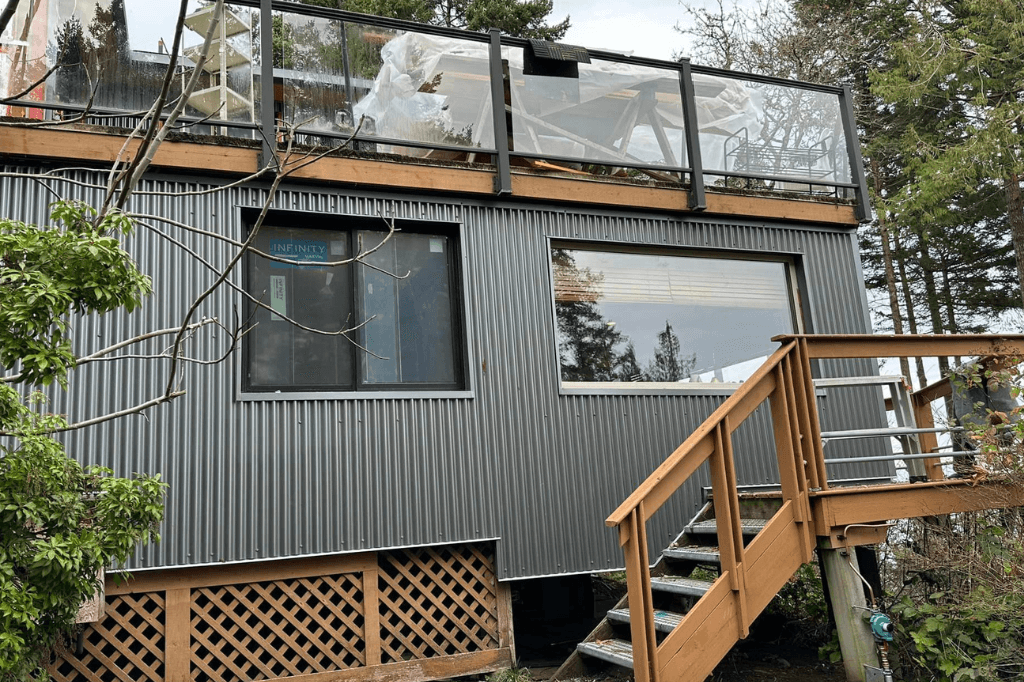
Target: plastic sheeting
(417, 96)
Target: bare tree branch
(167, 397)
(5, 17)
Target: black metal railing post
(267, 122)
(863, 209)
(503, 180)
(697, 200)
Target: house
(591, 253)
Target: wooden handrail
(681, 455)
(840, 346)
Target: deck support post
(850, 607)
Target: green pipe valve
(881, 627)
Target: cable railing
(415, 90)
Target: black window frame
(351, 226)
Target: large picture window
(666, 318)
(399, 302)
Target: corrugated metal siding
(271, 479)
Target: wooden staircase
(687, 571)
(683, 615)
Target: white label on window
(436, 245)
(278, 296)
(369, 289)
(338, 248)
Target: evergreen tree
(523, 18)
(586, 340)
(964, 56)
(628, 368)
(668, 363)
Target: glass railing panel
(759, 129)
(116, 53)
(392, 85)
(312, 88)
(614, 113)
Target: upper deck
(432, 109)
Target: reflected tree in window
(668, 363)
(628, 368)
(587, 341)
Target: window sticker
(436, 245)
(302, 250)
(338, 247)
(278, 296)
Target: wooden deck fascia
(100, 147)
(835, 509)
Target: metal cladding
(516, 461)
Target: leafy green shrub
(60, 522)
(977, 637)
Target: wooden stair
(681, 617)
(684, 575)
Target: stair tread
(694, 553)
(666, 621)
(617, 651)
(749, 526)
(688, 586)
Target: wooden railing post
(929, 442)
(807, 410)
(789, 456)
(728, 521)
(633, 538)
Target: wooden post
(638, 583)
(371, 614)
(848, 604)
(506, 634)
(922, 407)
(177, 634)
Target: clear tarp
(614, 113)
(428, 89)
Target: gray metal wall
(253, 480)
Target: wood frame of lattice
(404, 615)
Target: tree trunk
(932, 296)
(890, 272)
(908, 299)
(1015, 208)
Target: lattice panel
(128, 644)
(436, 602)
(277, 628)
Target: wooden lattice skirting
(417, 614)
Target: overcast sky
(645, 28)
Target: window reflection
(631, 317)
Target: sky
(645, 28)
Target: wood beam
(837, 346)
(92, 146)
(840, 507)
(425, 669)
(208, 576)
